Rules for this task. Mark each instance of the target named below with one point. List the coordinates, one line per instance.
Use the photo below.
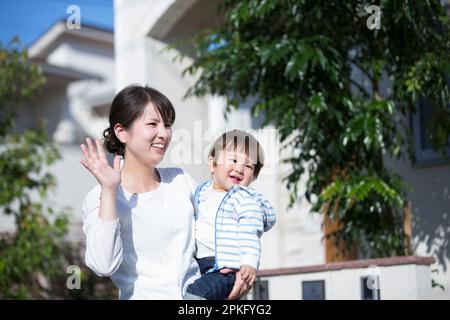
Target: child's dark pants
(213, 285)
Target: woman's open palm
(95, 161)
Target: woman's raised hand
(95, 161)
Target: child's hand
(248, 274)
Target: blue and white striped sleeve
(250, 229)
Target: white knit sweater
(149, 250)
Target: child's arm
(251, 227)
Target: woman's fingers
(237, 288)
(84, 163)
(240, 288)
(252, 280)
(244, 289)
(100, 149)
(91, 149)
(86, 155)
(91, 152)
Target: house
(79, 68)
(144, 28)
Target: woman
(139, 220)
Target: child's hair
(128, 105)
(239, 140)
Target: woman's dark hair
(128, 105)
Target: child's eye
(233, 160)
(249, 166)
(167, 125)
(153, 124)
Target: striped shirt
(241, 218)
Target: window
(313, 290)
(370, 288)
(421, 122)
(261, 290)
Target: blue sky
(29, 19)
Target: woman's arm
(103, 242)
(100, 220)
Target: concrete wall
(397, 282)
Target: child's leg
(211, 286)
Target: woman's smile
(159, 147)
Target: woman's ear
(211, 164)
(120, 132)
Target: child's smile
(231, 168)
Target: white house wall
(74, 182)
(430, 201)
(142, 30)
(132, 21)
(400, 282)
(92, 59)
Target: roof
(53, 36)
(65, 73)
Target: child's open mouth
(235, 180)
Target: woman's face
(148, 137)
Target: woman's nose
(162, 130)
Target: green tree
(34, 259)
(297, 58)
(34, 250)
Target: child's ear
(211, 164)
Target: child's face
(230, 168)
